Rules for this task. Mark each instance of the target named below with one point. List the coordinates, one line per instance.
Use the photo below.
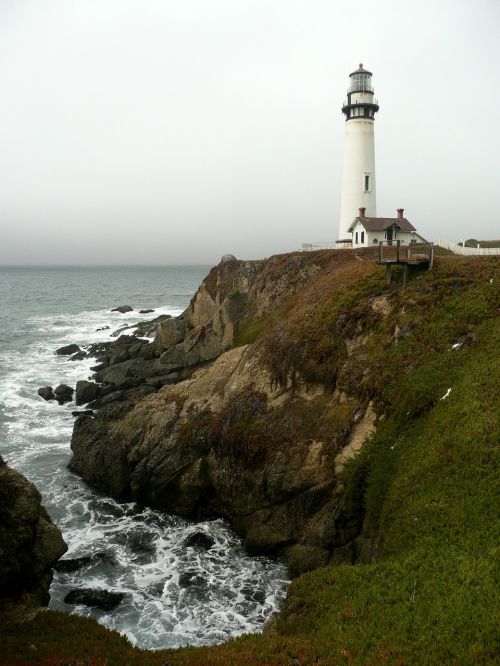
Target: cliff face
(231, 440)
(262, 433)
(30, 544)
(202, 448)
(233, 293)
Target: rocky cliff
(236, 438)
(30, 544)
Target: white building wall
(359, 161)
(373, 237)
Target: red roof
(382, 223)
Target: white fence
(311, 247)
(467, 251)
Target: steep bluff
(233, 440)
(30, 544)
(292, 364)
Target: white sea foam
(135, 550)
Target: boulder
(91, 597)
(140, 391)
(86, 392)
(119, 354)
(30, 544)
(83, 412)
(162, 380)
(103, 328)
(227, 257)
(69, 565)
(123, 309)
(79, 356)
(46, 392)
(74, 564)
(147, 328)
(170, 332)
(146, 311)
(67, 350)
(63, 393)
(199, 540)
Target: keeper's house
(366, 231)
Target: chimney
(400, 213)
(362, 213)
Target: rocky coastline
(183, 422)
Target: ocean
(141, 551)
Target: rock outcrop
(214, 433)
(30, 544)
(197, 449)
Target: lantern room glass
(361, 82)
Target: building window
(356, 237)
(367, 183)
(362, 236)
(375, 241)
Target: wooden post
(408, 252)
(405, 275)
(397, 250)
(431, 258)
(388, 274)
(380, 251)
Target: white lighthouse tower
(358, 182)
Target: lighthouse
(358, 181)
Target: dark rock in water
(116, 333)
(99, 367)
(122, 309)
(86, 392)
(83, 412)
(79, 356)
(73, 564)
(46, 393)
(63, 393)
(254, 594)
(66, 566)
(147, 328)
(67, 350)
(146, 311)
(104, 328)
(99, 348)
(30, 544)
(199, 540)
(191, 579)
(90, 597)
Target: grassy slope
(427, 484)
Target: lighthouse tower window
(367, 183)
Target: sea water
(137, 551)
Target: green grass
(426, 487)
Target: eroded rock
(30, 544)
(91, 597)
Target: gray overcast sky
(174, 131)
